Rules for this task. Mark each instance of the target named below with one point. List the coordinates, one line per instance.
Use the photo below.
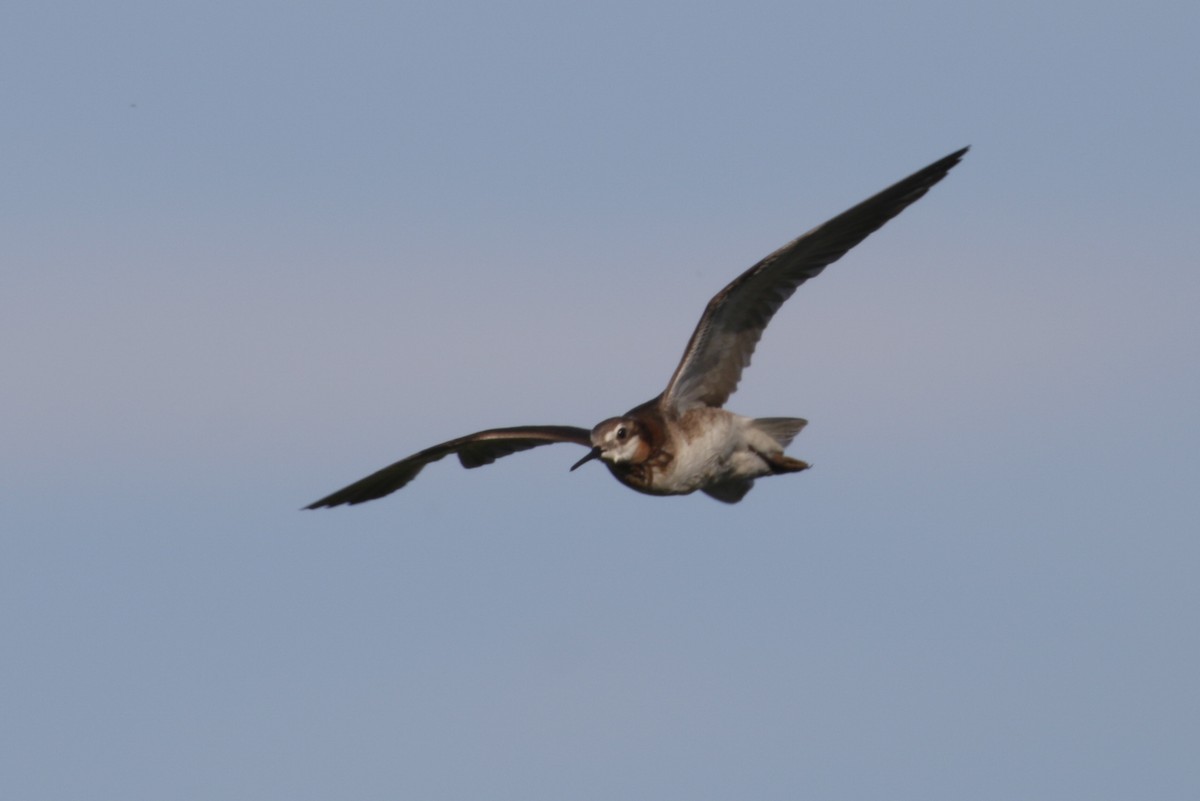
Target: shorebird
(683, 440)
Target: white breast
(710, 446)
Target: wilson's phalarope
(682, 440)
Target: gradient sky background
(256, 250)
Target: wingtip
(940, 168)
(949, 161)
(330, 501)
(334, 500)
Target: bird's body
(683, 440)
(708, 449)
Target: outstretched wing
(474, 450)
(733, 321)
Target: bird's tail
(781, 429)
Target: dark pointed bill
(592, 454)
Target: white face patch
(619, 442)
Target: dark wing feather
(474, 450)
(721, 346)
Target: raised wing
(474, 450)
(733, 321)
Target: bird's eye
(622, 433)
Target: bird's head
(617, 440)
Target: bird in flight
(683, 440)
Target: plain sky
(253, 251)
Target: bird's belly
(694, 465)
(698, 466)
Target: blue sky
(254, 251)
